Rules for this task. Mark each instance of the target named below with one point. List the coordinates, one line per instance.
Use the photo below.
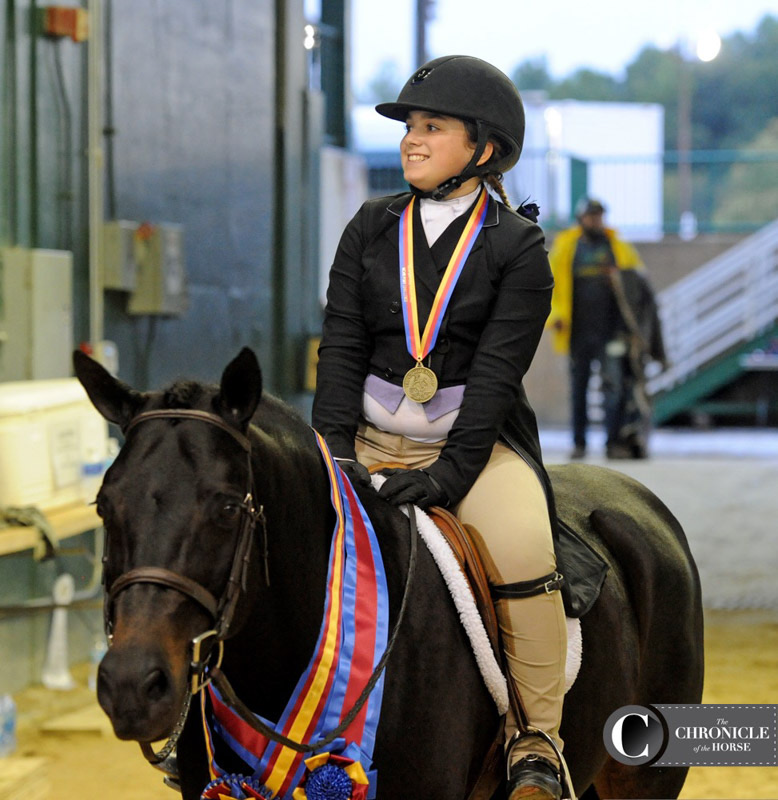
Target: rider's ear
(115, 400)
(241, 388)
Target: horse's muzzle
(140, 694)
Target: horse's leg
(622, 780)
(665, 594)
(191, 755)
(607, 681)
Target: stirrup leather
(544, 585)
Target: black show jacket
(487, 339)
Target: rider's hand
(412, 486)
(357, 473)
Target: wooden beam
(65, 522)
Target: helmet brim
(400, 111)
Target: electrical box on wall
(36, 314)
(161, 281)
(119, 262)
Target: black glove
(357, 473)
(412, 486)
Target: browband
(190, 413)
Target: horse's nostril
(156, 685)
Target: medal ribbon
(351, 642)
(419, 345)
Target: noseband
(221, 611)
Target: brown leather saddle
(461, 543)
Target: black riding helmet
(470, 89)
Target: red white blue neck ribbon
(351, 642)
(420, 344)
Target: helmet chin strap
(471, 170)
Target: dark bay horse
(172, 501)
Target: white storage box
(53, 444)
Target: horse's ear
(241, 388)
(116, 401)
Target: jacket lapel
(431, 263)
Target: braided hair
(494, 179)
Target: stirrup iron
(568, 792)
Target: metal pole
(421, 31)
(335, 70)
(95, 171)
(686, 221)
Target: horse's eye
(230, 512)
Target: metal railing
(727, 302)
(732, 191)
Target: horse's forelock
(187, 394)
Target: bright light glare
(708, 45)
(309, 42)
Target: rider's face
(434, 149)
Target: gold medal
(420, 384)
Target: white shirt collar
(437, 215)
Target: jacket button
(442, 345)
(394, 307)
(388, 372)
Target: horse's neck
(290, 479)
(291, 485)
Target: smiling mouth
(416, 158)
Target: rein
(203, 670)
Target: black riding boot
(534, 778)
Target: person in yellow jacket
(585, 317)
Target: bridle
(204, 666)
(207, 647)
(221, 611)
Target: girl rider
(436, 302)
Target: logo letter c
(617, 736)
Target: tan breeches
(506, 510)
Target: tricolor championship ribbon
(420, 344)
(351, 642)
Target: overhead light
(708, 45)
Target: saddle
(461, 543)
(581, 570)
